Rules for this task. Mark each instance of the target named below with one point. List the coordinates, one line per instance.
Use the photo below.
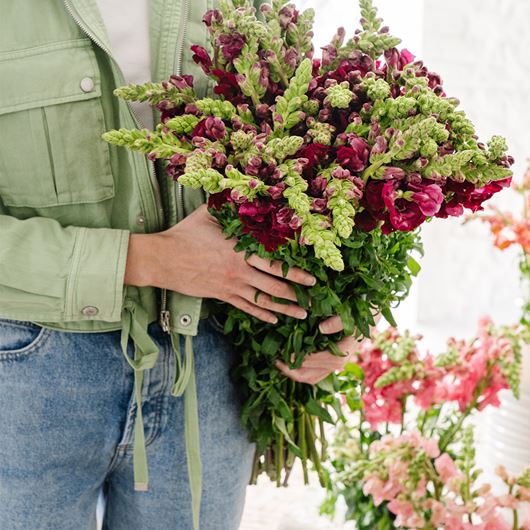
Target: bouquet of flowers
(405, 455)
(508, 230)
(329, 165)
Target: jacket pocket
(51, 122)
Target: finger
(265, 301)
(331, 325)
(275, 268)
(310, 377)
(254, 310)
(323, 360)
(270, 285)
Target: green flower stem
(515, 512)
(323, 440)
(315, 458)
(256, 469)
(302, 444)
(279, 458)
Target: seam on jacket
(119, 272)
(71, 283)
(43, 48)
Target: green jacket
(68, 200)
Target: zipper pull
(165, 318)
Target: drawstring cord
(184, 383)
(134, 325)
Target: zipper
(178, 71)
(156, 187)
(164, 313)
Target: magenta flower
(231, 45)
(202, 58)
(354, 157)
(428, 197)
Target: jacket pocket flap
(47, 75)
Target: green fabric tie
(184, 383)
(134, 325)
(135, 322)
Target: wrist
(143, 260)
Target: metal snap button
(90, 311)
(87, 84)
(185, 320)
(140, 220)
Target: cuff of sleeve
(95, 289)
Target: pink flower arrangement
(413, 467)
(469, 374)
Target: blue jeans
(67, 412)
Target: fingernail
(274, 321)
(301, 314)
(311, 281)
(321, 328)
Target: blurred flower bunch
(514, 230)
(326, 164)
(404, 457)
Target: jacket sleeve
(56, 274)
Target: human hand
(317, 366)
(195, 258)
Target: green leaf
(298, 339)
(348, 322)
(301, 295)
(327, 384)
(281, 426)
(354, 369)
(271, 343)
(413, 266)
(389, 317)
(315, 409)
(280, 405)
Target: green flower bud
(339, 96)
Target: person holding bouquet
(90, 266)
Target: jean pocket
(19, 338)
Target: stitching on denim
(12, 355)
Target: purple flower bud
(291, 57)
(380, 146)
(191, 108)
(214, 128)
(295, 223)
(237, 197)
(253, 184)
(231, 45)
(318, 185)
(276, 191)
(329, 54)
(319, 205)
(178, 159)
(199, 142)
(262, 111)
(393, 173)
(340, 173)
(392, 58)
(218, 159)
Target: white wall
(480, 47)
